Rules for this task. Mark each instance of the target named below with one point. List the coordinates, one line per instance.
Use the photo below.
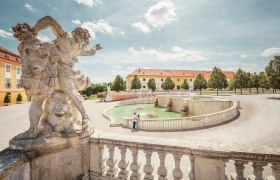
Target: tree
(118, 84)
(256, 81)
(135, 83)
(217, 79)
(241, 80)
(168, 84)
(233, 84)
(185, 85)
(249, 80)
(94, 89)
(19, 98)
(264, 84)
(200, 83)
(152, 84)
(7, 100)
(273, 72)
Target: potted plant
(7, 100)
(19, 99)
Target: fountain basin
(201, 112)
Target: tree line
(267, 79)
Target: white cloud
(139, 26)
(5, 34)
(243, 56)
(28, 6)
(89, 3)
(44, 38)
(77, 22)
(117, 67)
(98, 26)
(161, 14)
(270, 51)
(176, 54)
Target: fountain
(185, 110)
(156, 102)
(169, 105)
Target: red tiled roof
(4, 50)
(177, 73)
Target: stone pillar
(123, 174)
(111, 171)
(276, 171)
(239, 165)
(162, 171)
(134, 166)
(97, 167)
(205, 168)
(177, 172)
(258, 170)
(69, 161)
(148, 169)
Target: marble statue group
(50, 80)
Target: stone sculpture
(49, 78)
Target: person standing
(137, 122)
(134, 121)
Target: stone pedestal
(205, 168)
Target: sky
(157, 34)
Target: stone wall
(197, 107)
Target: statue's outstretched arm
(92, 51)
(46, 22)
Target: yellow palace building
(10, 72)
(177, 76)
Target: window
(190, 80)
(144, 79)
(161, 79)
(18, 84)
(8, 84)
(144, 87)
(18, 70)
(8, 68)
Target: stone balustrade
(206, 161)
(185, 123)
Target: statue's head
(24, 32)
(81, 35)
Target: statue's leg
(35, 113)
(68, 87)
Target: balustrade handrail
(260, 153)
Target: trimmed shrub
(7, 100)
(101, 95)
(19, 98)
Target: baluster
(177, 172)
(239, 165)
(134, 166)
(258, 170)
(162, 171)
(276, 171)
(123, 174)
(110, 162)
(191, 174)
(148, 169)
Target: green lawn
(94, 97)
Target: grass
(93, 97)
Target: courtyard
(257, 123)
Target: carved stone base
(43, 142)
